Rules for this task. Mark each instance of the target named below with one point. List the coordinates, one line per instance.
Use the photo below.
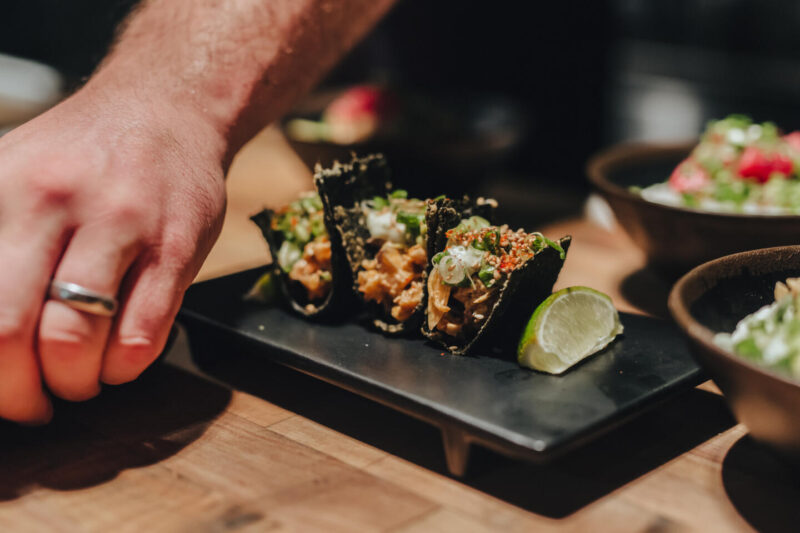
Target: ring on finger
(83, 299)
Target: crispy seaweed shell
(342, 188)
(339, 299)
(521, 291)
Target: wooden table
(251, 446)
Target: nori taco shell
(339, 300)
(520, 293)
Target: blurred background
(513, 99)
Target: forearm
(237, 64)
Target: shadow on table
(648, 290)
(763, 487)
(125, 427)
(555, 490)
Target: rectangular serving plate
(478, 399)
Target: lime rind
(567, 327)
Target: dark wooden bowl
(712, 298)
(676, 239)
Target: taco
(314, 278)
(383, 237)
(484, 281)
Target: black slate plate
(476, 399)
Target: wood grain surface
(242, 445)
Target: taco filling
(305, 253)
(466, 277)
(397, 231)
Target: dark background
(581, 75)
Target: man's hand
(122, 197)
(120, 188)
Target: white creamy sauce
(384, 225)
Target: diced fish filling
(313, 269)
(394, 279)
(458, 311)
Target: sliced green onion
(451, 270)
(438, 257)
(541, 241)
(379, 202)
(318, 227)
(399, 193)
(478, 244)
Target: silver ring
(83, 299)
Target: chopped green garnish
(379, 202)
(411, 220)
(318, 227)
(491, 240)
(749, 349)
(398, 193)
(486, 274)
(690, 200)
(298, 224)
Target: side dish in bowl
(746, 340)
(739, 166)
(770, 337)
(684, 204)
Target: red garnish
(689, 176)
(760, 166)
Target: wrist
(141, 108)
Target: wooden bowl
(713, 298)
(676, 239)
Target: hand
(119, 193)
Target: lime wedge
(265, 290)
(567, 327)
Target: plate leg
(456, 450)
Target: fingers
(27, 260)
(71, 342)
(151, 300)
